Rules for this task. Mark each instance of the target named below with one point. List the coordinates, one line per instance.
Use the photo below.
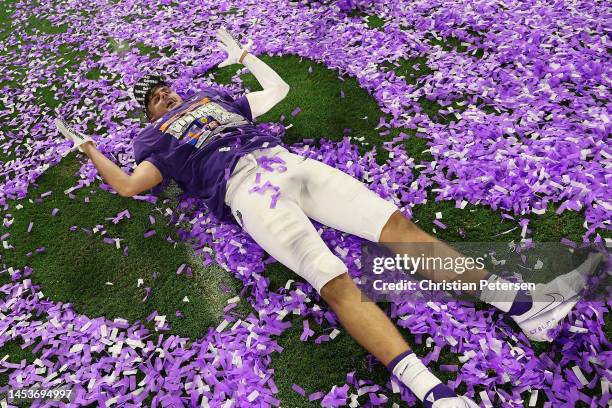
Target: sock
(514, 302)
(409, 369)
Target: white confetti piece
(605, 386)
(334, 334)
(395, 386)
(433, 306)
(533, 399)
(579, 375)
(222, 326)
(485, 399)
(251, 397)
(76, 348)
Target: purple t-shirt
(199, 142)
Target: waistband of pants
(245, 166)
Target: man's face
(162, 100)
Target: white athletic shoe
(553, 301)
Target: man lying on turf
(209, 145)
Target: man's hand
(77, 138)
(230, 46)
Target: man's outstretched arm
(275, 89)
(144, 177)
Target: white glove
(456, 402)
(230, 46)
(77, 138)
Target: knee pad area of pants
(324, 268)
(288, 232)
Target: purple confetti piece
(316, 396)
(274, 200)
(322, 339)
(568, 242)
(180, 269)
(308, 332)
(149, 233)
(439, 224)
(449, 368)
(121, 215)
(147, 293)
(230, 307)
(296, 111)
(298, 389)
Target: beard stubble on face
(166, 102)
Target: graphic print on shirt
(200, 122)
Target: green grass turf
(76, 266)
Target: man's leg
(400, 230)
(363, 319)
(336, 199)
(534, 311)
(375, 332)
(288, 235)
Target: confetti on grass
(149, 233)
(308, 332)
(123, 214)
(298, 389)
(439, 224)
(536, 148)
(180, 269)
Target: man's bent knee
(397, 226)
(321, 267)
(337, 288)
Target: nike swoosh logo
(555, 299)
